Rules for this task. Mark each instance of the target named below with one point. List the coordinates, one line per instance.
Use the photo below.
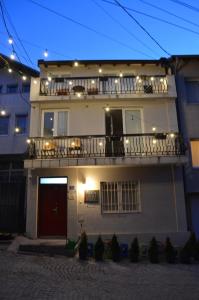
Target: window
(195, 153)
(55, 123)
(133, 121)
(120, 197)
(26, 88)
(21, 123)
(192, 88)
(12, 88)
(4, 125)
(1, 89)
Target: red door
(52, 210)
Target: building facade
(105, 155)
(14, 130)
(187, 82)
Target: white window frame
(55, 111)
(119, 196)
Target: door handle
(55, 210)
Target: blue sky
(40, 29)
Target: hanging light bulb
(10, 70)
(100, 70)
(46, 83)
(24, 77)
(76, 64)
(13, 55)
(153, 129)
(10, 40)
(28, 141)
(49, 78)
(121, 74)
(17, 129)
(3, 112)
(46, 53)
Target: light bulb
(12, 55)
(47, 83)
(46, 53)
(127, 141)
(172, 135)
(152, 78)
(137, 77)
(76, 64)
(116, 81)
(93, 81)
(107, 108)
(17, 129)
(10, 70)
(10, 40)
(70, 82)
(24, 77)
(28, 141)
(153, 129)
(154, 141)
(49, 78)
(100, 144)
(35, 81)
(100, 70)
(121, 75)
(79, 95)
(3, 112)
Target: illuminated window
(195, 153)
(120, 197)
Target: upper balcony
(129, 149)
(103, 87)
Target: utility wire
(194, 8)
(123, 27)
(17, 35)
(87, 27)
(142, 27)
(155, 18)
(6, 27)
(169, 13)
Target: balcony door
(133, 126)
(114, 132)
(54, 123)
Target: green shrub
(99, 249)
(153, 251)
(83, 247)
(134, 251)
(185, 254)
(115, 249)
(190, 250)
(170, 252)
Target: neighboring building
(14, 130)
(186, 69)
(105, 155)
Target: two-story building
(105, 155)
(186, 71)
(14, 131)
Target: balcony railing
(104, 85)
(139, 145)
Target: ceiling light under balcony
(47, 83)
(28, 141)
(161, 80)
(172, 135)
(100, 70)
(153, 129)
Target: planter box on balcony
(78, 89)
(93, 91)
(63, 92)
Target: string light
(93, 81)
(127, 141)
(28, 141)
(46, 53)
(49, 78)
(152, 78)
(116, 81)
(100, 144)
(100, 70)
(121, 75)
(35, 81)
(76, 64)
(10, 40)
(107, 108)
(79, 95)
(172, 135)
(137, 77)
(154, 141)
(24, 77)
(17, 129)
(47, 83)
(153, 129)
(10, 70)
(70, 82)
(3, 112)
(13, 55)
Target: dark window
(26, 88)
(192, 89)
(12, 88)
(21, 123)
(4, 124)
(1, 89)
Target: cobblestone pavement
(41, 277)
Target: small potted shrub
(134, 251)
(153, 252)
(83, 247)
(115, 249)
(185, 254)
(190, 250)
(170, 252)
(99, 249)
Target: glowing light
(45, 53)
(12, 55)
(100, 70)
(153, 129)
(47, 83)
(161, 80)
(172, 135)
(79, 95)
(28, 141)
(127, 141)
(10, 70)
(107, 108)
(76, 64)
(47, 144)
(3, 112)
(121, 75)
(116, 81)
(49, 78)
(70, 82)
(10, 40)
(73, 144)
(152, 78)
(137, 77)
(17, 129)
(90, 184)
(24, 77)
(100, 144)
(35, 81)
(93, 81)
(154, 141)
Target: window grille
(120, 197)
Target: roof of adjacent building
(17, 66)
(160, 61)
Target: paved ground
(39, 277)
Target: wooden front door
(52, 217)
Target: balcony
(103, 150)
(104, 85)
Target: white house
(105, 155)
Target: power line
(6, 27)
(124, 28)
(17, 35)
(142, 27)
(194, 8)
(155, 18)
(169, 13)
(87, 27)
